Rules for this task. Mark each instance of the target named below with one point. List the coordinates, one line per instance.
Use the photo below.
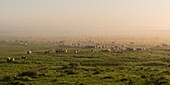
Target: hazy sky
(84, 16)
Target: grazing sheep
(65, 51)
(29, 52)
(48, 52)
(92, 50)
(89, 46)
(58, 50)
(97, 45)
(76, 51)
(10, 59)
(131, 49)
(148, 49)
(103, 46)
(61, 51)
(122, 50)
(24, 57)
(76, 45)
(143, 49)
(140, 49)
(106, 50)
(114, 49)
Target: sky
(84, 16)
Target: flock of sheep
(115, 49)
(91, 48)
(8, 59)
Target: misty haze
(84, 42)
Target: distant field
(83, 68)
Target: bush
(108, 77)
(71, 72)
(7, 78)
(54, 80)
(29, 73)
(74, 64)
(17, 83)
(97, 72)
(26, 78)
(71, 66)
(79, 83)
(11, 78)
(161, 80)
(165, 72)
(144, 76)
(123, 79)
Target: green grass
(84, 68)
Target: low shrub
(25, 78)
(8, 78)
(17, 83)
(29, 74)
(71, 72)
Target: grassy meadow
(82, 68)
